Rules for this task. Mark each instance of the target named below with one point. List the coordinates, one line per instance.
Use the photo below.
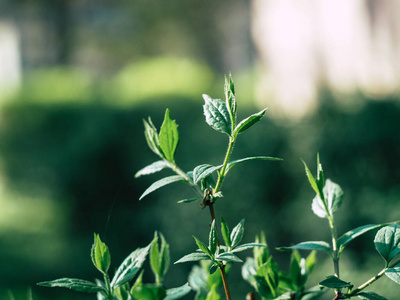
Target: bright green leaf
(73, 284)
(179, 292)
(202, 171)
(225, 233)
(160, 183)
(229, 89)
(387, 242)
(100, 255)
(370, 296)
(151, 135)
(153, 168)
(213, 294)
(248, 122)
(312, 180)
(195, 256)
(318, 246)
(333, 196)
(320, 175)
(228, 257)
(188, 200)
(202, 246)
(155, 256)
(213, 238)
(217, 115)
(335, 283)
(235, 162)
(237, 234)
(149, 292)
(247, 247)
(169, 137)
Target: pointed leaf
(235, 162)
(164, 257)
(229, 89)
(335, 283)
(188, 200)
(247, 247)
(228, 257)
(318, 246)
(195, 256)
(160, 183)
(73, 284)
(394, 273)
(169, 137)
(312, 181)
(237, 234)
(213, 238)
(370, 296)
(202, 247)
(155, 256)
(333, 196)
(387, 242)
(249, 121)
(225, 233)
(153, 168)
(151, 135)
(354, 233)
(100, 255)
(202, 171)
(320, 175)
(179, 292)
(217, 115)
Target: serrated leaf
(335, 283)
(153, 168)
(317, 246)
(229, 89)
(169, 137)
(354, 233)
(237, 234)
(247, 247)
(333, 196)
(160, 183)
(188, 200)
(202, 171)
(217, 115)
(195, 256)
(249, 121)
(150, 132)
(387, 242)
(370, 296)
(228, 257)
(100, 254)
(213, 238)
(79, 285)
(235, 162)
(225, 233)
(130, 266)
(178, 292)
(202, 246)
(394, 274)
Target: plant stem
(367, 283)
(225, 282)
(222, 173)
(108, 286)
(178, 171)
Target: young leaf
(387, 242)
(320, 175)
(150, 132)
(335, 283)
(153, 168)
(195, 256)
(169, 137)
(217, 115)
(225, 233)
(213, 294)
(229, 89)
(237, 234)
(370, 296)
(247, 247)
(155, 257)
(179, 292)
(310, 261)
(312, 181)
(354, 233)
(202, 171)
(73, 284)
(160, 183)
(100, 255)
(333, 196)
(164, 256)
(318, 246)
(130, 266)
(149, 292)
(235, 162)
(248, 122)
(213, 238)
(188, 200)
(202, 247)
(228, 257)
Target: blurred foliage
(67, 171)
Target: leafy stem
(367, 283)
(224, 170)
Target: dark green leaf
(160, 183)
(217, 115)
(335, 283)
(333, 196)
(318, 246)
(73, 284)
(237, 234)
(202, 171)
(152, 137)
(354, 233)
(213, 238)
(169, 137)
(228, 257)
(202, 246)
(213, 268)
(235, 162)
(188, 200)
(394, 273)
(225, 233)
(179, 292)
(297, 269)
(149, 292)
(248, 122)
(100, 255)
(247, 247)
(370, 296)
(195, 256)
(387, 242)
(153, 168)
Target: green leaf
(153, 168)
(217, 115)
(151, 135)
(160, 183)
(225, 233)
(73, 284)
(333, 196)
(320, 175)
(179, 292)
(261, 254)
(155, 256)
(248, 122)
(100, 255)
(335, 283)
(354, 233)
(311, 261)
(164, 257)
(213, 238)
(318, 246)
(235, 162)
(237, 234)
(228, 257)
(370, 296)
(312, 181)
(229, 89)
(247, 247)
(297, 272)
(195, 256)
(130, 266)
(213, 293)
(202, 246)
(149, 292)
(202, 171)
(387, 242)
(169, 137)
(188, 200)
(394, 273)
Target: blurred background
(78, 77)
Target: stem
(367, 283)
(108, 286)
(225, 282)
(223, 172)
(335, 250)
(178, 171)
